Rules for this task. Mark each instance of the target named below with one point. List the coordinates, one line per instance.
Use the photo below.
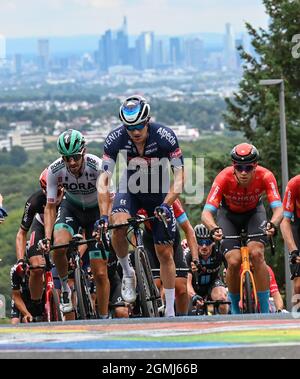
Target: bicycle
(84, 304)
(203, 310)
(248, 292)
(52, 312)
(148, 293)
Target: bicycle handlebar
(249, 236)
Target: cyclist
(33, 220)
(206, 282)
(78, 173)
(145, 184)
(21, 302)
(239, 190)
(3, 212)
(290, 228)
(181, 294)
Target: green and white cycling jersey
(81, 191)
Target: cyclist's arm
(278, 301)
(21, 243)
(208, 219)
(286, 230)
(191, 238)
(1, 200)
(50, 217)
(177, 187)
(104, 194)
(190, 287)
(274, 198)
(17, 298)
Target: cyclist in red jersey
(290, 228)
(237, 192)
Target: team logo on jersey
(167, 135)
(176, 154)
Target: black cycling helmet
(202, 232)
(134, 111)
(244, 154)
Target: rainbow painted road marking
(129, 335)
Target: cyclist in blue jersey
(149, 149)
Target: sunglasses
(244, 168)
(204, 242)
(131, 128)
(75, 157)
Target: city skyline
(40, 18)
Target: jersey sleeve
(28, 215)
(111, 151)
(179, 212)
(289, 201)
(216, 194)
(175, 154)
(272, 191)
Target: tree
(254, 110)
(18, 156)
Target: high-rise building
(145, 46)
(175, 52)
(194, 52)
(2, 47)
(230, 58)
(43, 54)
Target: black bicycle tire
(145, 282)
(81, 310)
(248, 293)
(55, 307)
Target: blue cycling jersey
(161, 150)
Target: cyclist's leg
(181, 293)
(120, 309)
(257, 256)
(164, 247)
(296, 282)
(36, 278)
(65, 226)
(124, 206)
(219, 293)
(232, 253)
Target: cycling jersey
(161, 143)
(237, 199)
(291, 202)
(35, 205)
(81, 191)
(210, 269)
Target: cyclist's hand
(271, 229)
(100, 226)
(295, 257)
(44, 245)
(195, 265)
(21, 267)
(165, 210)
(217, 234)
(27, 318)
(197, 300)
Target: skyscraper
(175, 52)
(2, 48)
(145, 50)
(43, 54)
(230, 49)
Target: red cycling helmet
(244, 154)
(43, 179)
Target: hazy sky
(33, 18)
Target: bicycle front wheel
(248, 303)
(55, 314)
(85, 308)
(147, 290)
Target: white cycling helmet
(202, 232)
(134, 111)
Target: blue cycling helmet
(134, 111)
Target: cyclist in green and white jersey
(78, 173)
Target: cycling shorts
(131, 204)
(233, 223)
(205, 291)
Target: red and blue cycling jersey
(291, 202)
(227, 191)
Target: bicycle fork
(246, 268)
